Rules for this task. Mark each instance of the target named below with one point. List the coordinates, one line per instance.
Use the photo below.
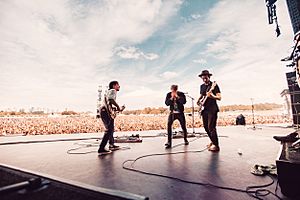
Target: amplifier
(288, 170)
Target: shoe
(168, 145)
(214, 148)
(292, 137)
(209, 145)
(186, 142)
(256, 170)
(261, 170)
(113, 147)
(103, 151)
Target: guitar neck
(210, 90)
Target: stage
(241, 148)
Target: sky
(55, 54)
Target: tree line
(235, 107)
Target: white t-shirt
(110, 94)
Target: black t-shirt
(210, 104)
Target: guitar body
(112, 110)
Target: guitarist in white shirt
(209, 94)
(107, 115)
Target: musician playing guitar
(108, 113)
(209, 94)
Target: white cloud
(195, 16)
(248, 51)
(200, 61)
(134, 53)
(169, 75)
(64, 48)
(243, 48)
(54, 54)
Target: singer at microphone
(176, 101)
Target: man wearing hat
(208, 100)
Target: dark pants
(109, 128)
(210, 123)
(171, 119)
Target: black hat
(205, 72)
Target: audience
(88, 124)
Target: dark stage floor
(226, 168)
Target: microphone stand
(193, 112)
(253, 119)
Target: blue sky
(55, 54)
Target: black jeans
(109, 128)
(181, 118)
(210, 123)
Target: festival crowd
(88, 124)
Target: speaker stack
(294, 91)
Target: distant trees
(69, 112)
(162, 110)
(147, 110)
(260, 106)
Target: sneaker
(209, 145)
(103, 151)
(214, 148)
(261, 170)
(256, 170)
(168, 145)
(113, 147)
(186, 142)
(292, 137)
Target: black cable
(59, 140)
(183, 143)
(91, 144)
(258, 193)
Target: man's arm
(113, 102)
(217, 96)
(181, 99)
(168, 100)
(199, 100)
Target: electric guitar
(202, 102)
(112, 110)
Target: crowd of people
(89, 124)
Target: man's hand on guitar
(209, 94)
(122, 108)
(199, 101)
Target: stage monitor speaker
(294, 91)
(16, 184)
(288, 170)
